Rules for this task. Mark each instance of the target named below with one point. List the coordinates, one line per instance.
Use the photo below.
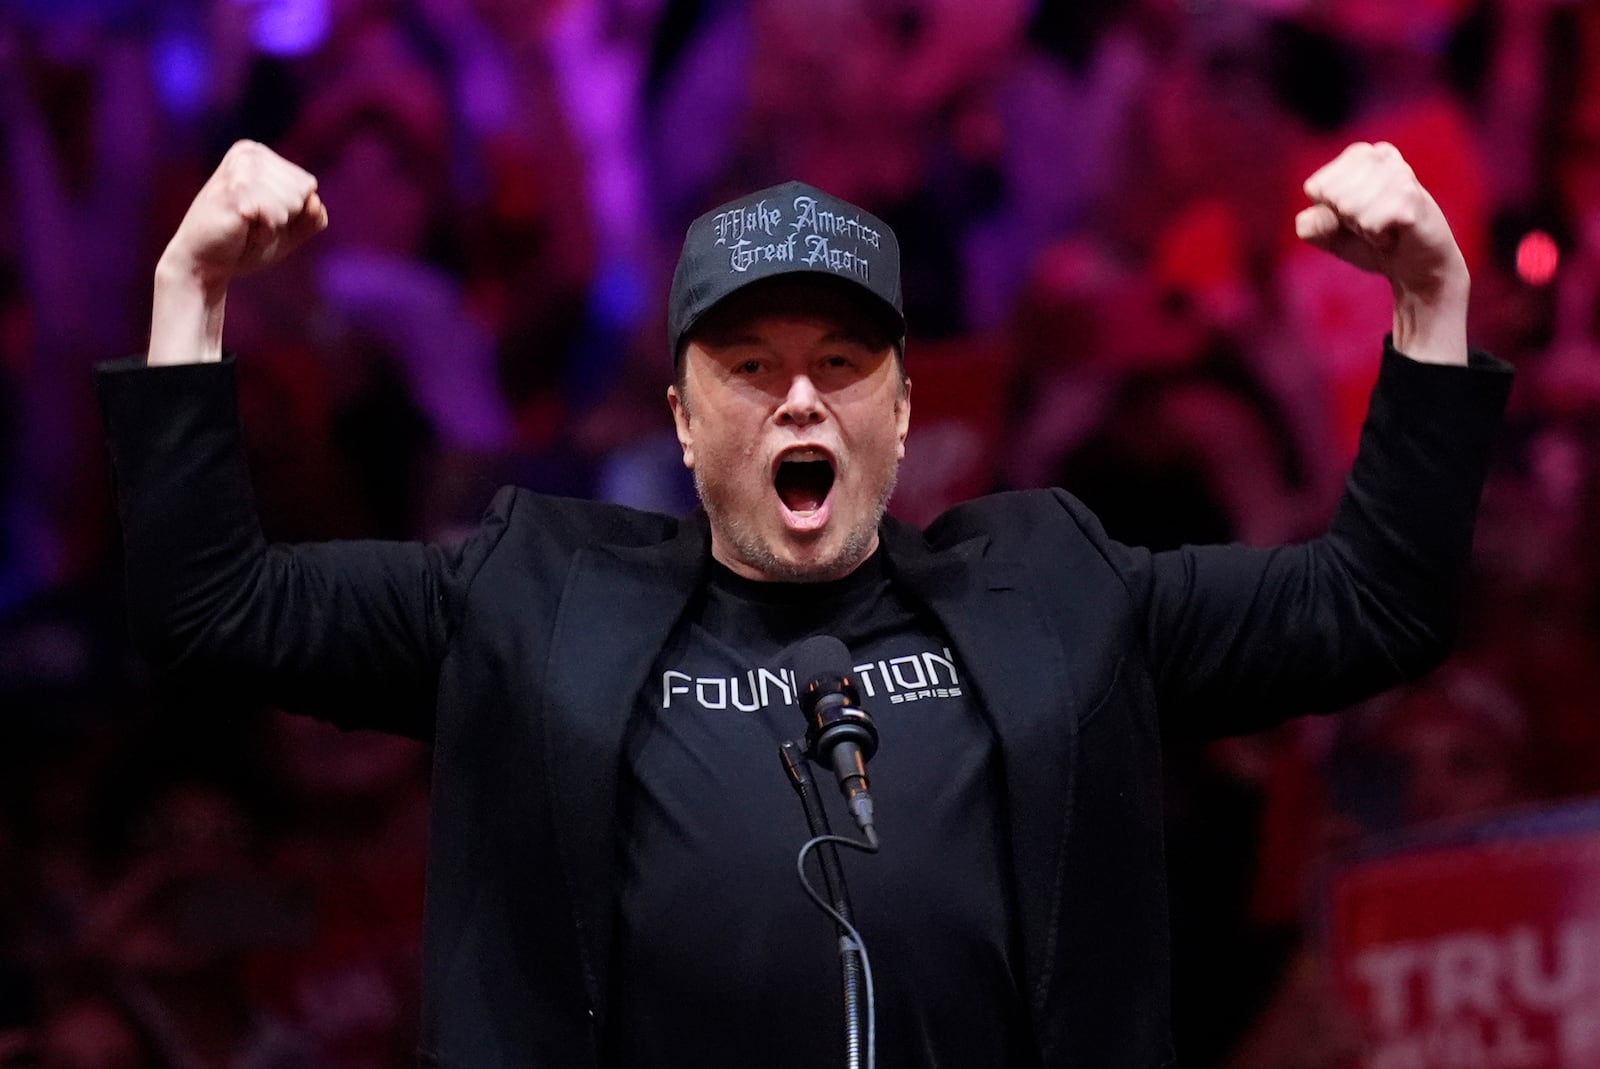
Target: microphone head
(821, 663)
(829, 700)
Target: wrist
(1431, 326)
(178, 273)
(186, 315)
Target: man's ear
(902, 417)
(680, 420)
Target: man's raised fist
(256, 208)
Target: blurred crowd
(1095, 201)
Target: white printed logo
(913, 677)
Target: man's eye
(747, 367)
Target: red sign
(1478, 955)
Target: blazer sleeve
(1240, 638)
(351, 631)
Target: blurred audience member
(1446, 751)
(95, 1031)
(354, 813)
(176, 931)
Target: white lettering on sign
(1499, 1044)
(1515, 999)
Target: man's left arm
(1239, 638)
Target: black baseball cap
(784, 230)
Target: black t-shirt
(721, 959)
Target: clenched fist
(1369, 209)
(255, 209)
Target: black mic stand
(793, 756)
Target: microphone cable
(839, 734)
(850, 941)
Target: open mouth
(803, 480)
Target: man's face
(792, 415)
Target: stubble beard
(749, 547)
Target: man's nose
(801, 405)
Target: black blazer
(519, 652)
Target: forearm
(186, 317)
(1433, 328)
(1400, 543)
(1404, 527)
(189, 523)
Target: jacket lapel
(616, 613)
(1017, 666)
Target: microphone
(839, 733)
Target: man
(611, 869)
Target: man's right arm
(353, 631)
